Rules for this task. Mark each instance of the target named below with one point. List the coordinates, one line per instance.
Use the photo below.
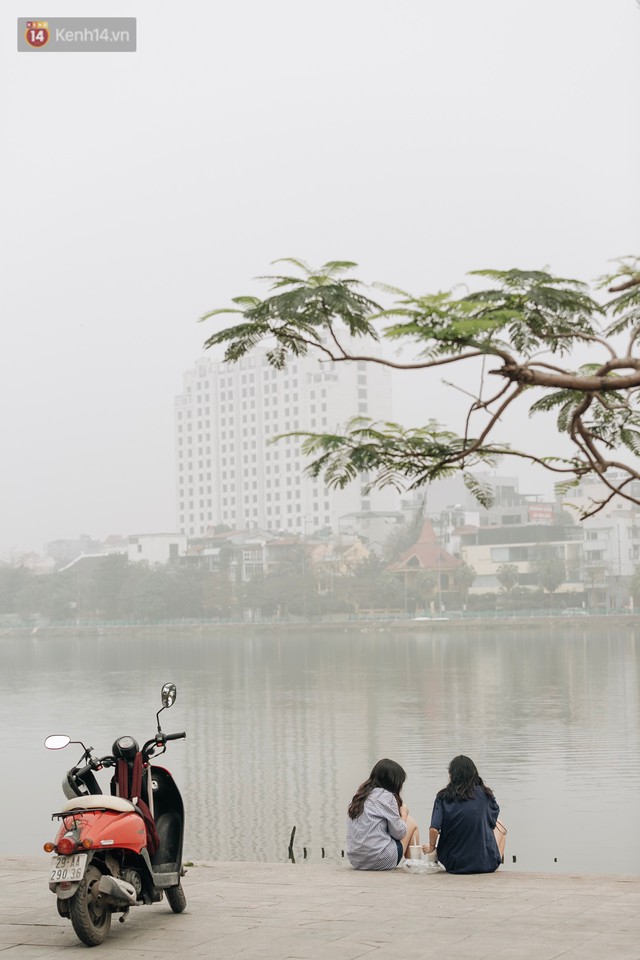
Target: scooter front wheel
(91, 919)
(176, 898)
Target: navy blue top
(467, 843)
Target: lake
(283, 724)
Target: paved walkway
(326, 911)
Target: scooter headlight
(125, 748)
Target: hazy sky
(421, 138)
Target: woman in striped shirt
(379, 828)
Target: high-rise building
(229, 470)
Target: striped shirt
(371, 837)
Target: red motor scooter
(123, 849)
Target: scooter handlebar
(159, 741)
(80, 772)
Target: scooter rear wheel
(176, 898)
(91, 919)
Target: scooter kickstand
(125, 914)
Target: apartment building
(486, 549)
(230, 470)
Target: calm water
(282, 729)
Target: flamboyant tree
(524, 327)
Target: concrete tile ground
(266, 911)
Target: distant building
(427, 555)
(612, 543)
(511, 530)
(488, 548)
(373, 528)
(510, 507)
(451, 523)
(591, 491)
(64, 551)
(228, 469)
(240, 555)
(337, 558)
(156, 547)
(116, 543)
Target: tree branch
(528, 321)
(615, 490)
(625, 286)
(463, 454)
(524, 375)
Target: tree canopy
(524, 326)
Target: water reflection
(281, 729)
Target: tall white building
(229, 472)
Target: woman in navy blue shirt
(464, 822)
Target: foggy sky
(420, 138)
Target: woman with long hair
(464, 822)
(379, 828)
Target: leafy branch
(524, 326)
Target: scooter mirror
(168, 695)
(57, 742)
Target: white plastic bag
(421, 866)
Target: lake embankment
(466, 624)
(269, 911)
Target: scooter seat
(99, 801)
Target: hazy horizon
(422, 140)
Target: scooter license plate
(68, 868)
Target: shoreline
(458, 624)
(40, 862)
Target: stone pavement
(326, 911)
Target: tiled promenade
(326, 911)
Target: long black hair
(463, 780)
(386, 774)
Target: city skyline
(421, 141)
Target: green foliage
(626, 307)
(299, 317)
(528, 309)
(371, 587)
(516, 326)
(395, 456)
(548, 311)
(549, 568)
(464, 577)
(112, 588)
(631, 440)
(15, 583)
(508, 576)
(634, 584)
(481, 490)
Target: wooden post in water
(291, 856)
